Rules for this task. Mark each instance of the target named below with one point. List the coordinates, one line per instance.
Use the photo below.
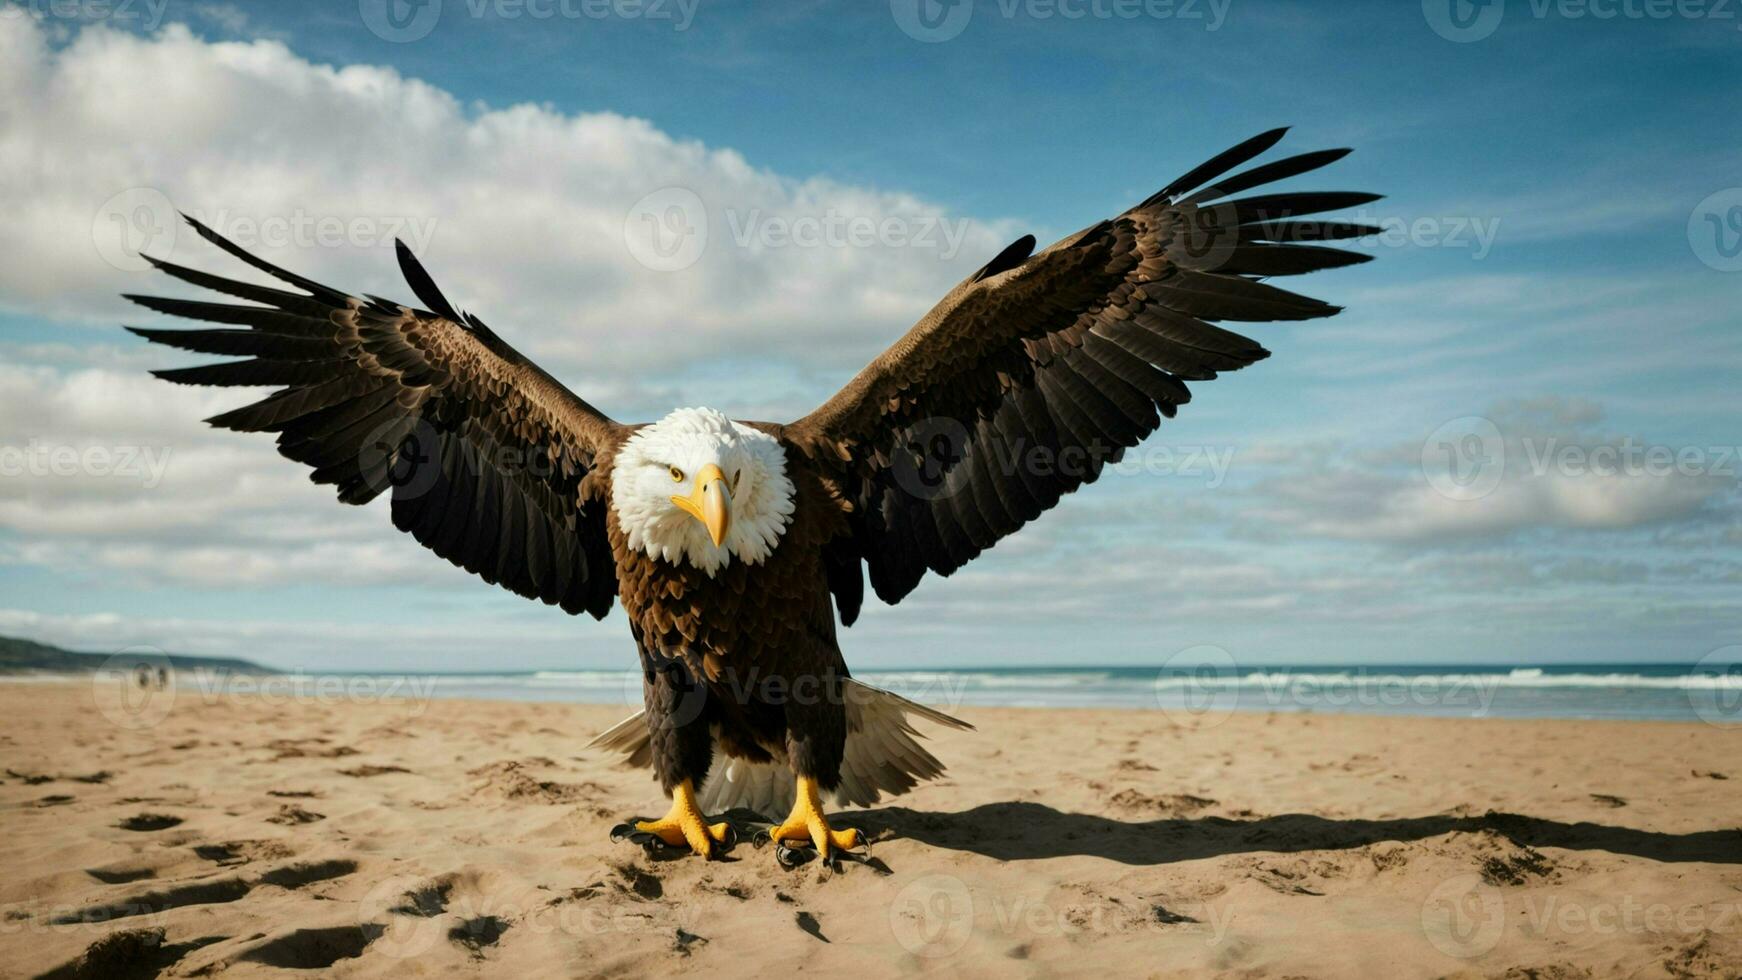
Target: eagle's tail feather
(883, 756)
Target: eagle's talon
(790, 857)
(682, 826)
(808, 824)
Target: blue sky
(1544, 284)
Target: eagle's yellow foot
(684, 824)
(808, 823)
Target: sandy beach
(207, 835)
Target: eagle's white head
(698, 487)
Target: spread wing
(486, 456)
(1039, 369)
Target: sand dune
(231, 836)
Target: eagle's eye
(676, 475)
(735, 478)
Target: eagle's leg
(683, 751)
(816, 740)
(807, 822)
(684, 823)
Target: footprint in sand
(308, 872)
(30, 778)
(477, 934)
(292, 815)
(121, 875)
(243, 851)
(315, 949)
(149, 821)
(426, 901)
(149, 903)
(364, 772)
(128, 953)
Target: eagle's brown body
(1016, 389)
(747, 655)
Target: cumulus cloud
(565, 231)
(526, 215)
(1529, 465)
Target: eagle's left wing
(1038, 370)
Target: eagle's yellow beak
(709, 503)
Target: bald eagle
(734, 546)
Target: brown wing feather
(1037, 371)
(486, 456)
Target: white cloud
(523, 211)
(520, 212)
(1550, 470)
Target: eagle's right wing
(487, 456)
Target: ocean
(1677, 692)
